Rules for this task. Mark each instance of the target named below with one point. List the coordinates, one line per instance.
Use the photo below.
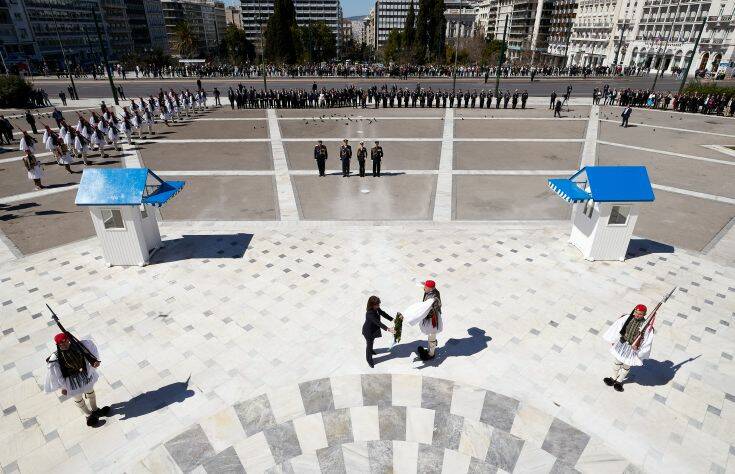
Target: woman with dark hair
(372, 326)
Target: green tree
(14, 92)
(185, 42)
(438, 31)
(491, 52)
(317, 42)
(281, 32)
(236, 46)
(393, 47)
(409, 29)
(422, 31)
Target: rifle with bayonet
(650, 320)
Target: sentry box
(604, 207)
(124, 206)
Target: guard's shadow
(149, 402)
(203, 246)
(655, 373)
(643, 247)
(462, 347)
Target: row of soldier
(106, 129)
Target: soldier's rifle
(650, 320)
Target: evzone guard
(428, 316)
(631, 339)
(72, 368)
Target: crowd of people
(352, 69)
(708, 104)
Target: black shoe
(372, 366)
(423, 353)
(608, 381)
(93, 419)
(104, 411)
(618, 386)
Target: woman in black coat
(372, 326)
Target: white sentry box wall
(598, 239)
(133, 243)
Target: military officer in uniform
(345, 155)
(320, 155)
(361, 156)
(376, 155)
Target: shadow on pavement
(655, 373)
(148, 402)
(642, 247)
(203, 246)
(462, 347)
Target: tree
(185, 42)
(281, 32)
(236, 46)
(491, 51)
(14, 92)
(409, 29)
(317, 42)
(438, 32)
(393, 46)
(422, 31)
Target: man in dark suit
(320, 155)
(626, 116)
(372, 326)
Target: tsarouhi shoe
(423, 353)
(92, 420)
(608, 381)
(618, 386)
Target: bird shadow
(149, 402)
(462, 347)
(654, 373)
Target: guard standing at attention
(361, 156)
(345, 155)
(376, 154)
(320, 155)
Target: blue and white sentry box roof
(124, 187)
(606, 184)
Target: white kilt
(35, 173)
(65, 159)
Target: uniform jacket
(361, 153)
(376, 153)
(372, 326)
(345, 152)
(320, 151)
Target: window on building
(619, 215)
(112, 219)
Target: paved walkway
(229, 312)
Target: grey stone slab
(338, 426)
(447, 430)
(380, 455)
(436, 394)
(284, 468)
(283, 441)
(499, 411)
(392, 423)
(225, 461)
(377, 389)
(430, 459)
(190, 449)
(480, 467)
(565, 441)
(317, 395)
(331, 460)
(255, 414)
(560, 467)
(504, 450)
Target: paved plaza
(238, 348)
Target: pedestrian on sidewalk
(627, 111)
(31, 121)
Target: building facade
(147, 30)
(390, 15)
(205, 17)
(461, 19)
(255, 14)
(117, 27)
(563, 13)
(368, 29)
(528, 24)
(233, 16)
(156, 25)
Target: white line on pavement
(688, 130)
(686, 192)
(35, 194)
(376, 119)
(541, 140)
(354, 173)
(284, 188)
(722, 149)
(443, 195)
(216, 173)
(515, 172)
(19, 158)
(565, 119)
(314, 139)
(203, 140)
(227, 119)
(670, 153)
(589, 151)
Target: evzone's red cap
(642, 308)
(59, 338)
(429, 284)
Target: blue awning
(605, 184)
(124, 187)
